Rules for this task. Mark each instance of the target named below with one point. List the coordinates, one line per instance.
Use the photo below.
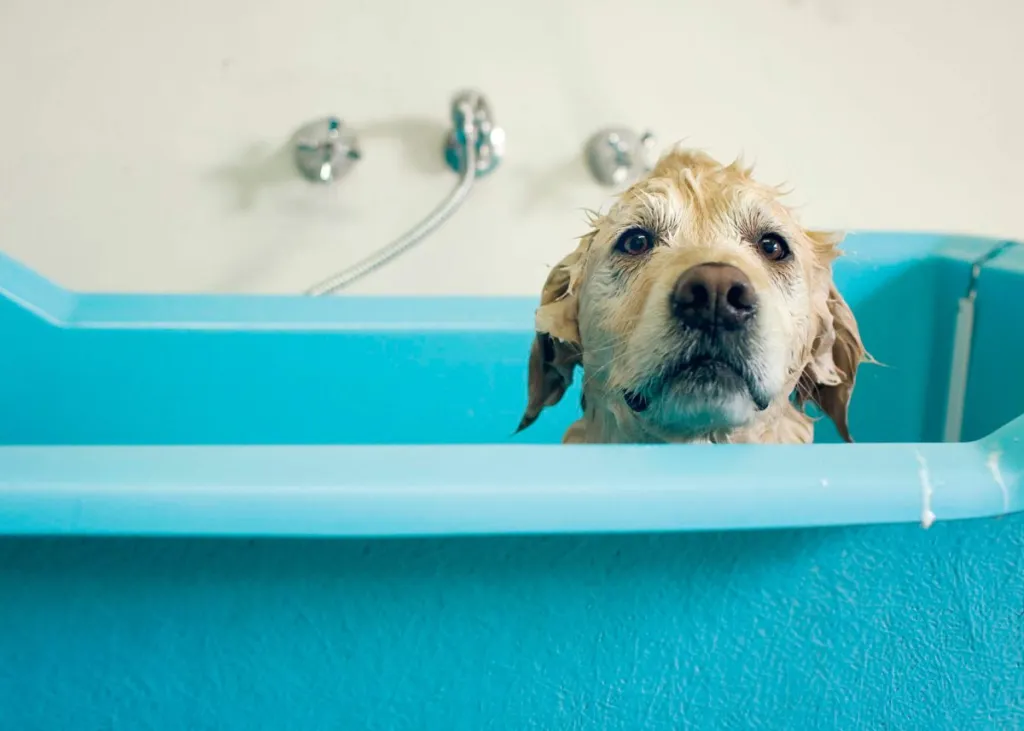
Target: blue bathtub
(223, 512)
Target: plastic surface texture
(663, 604)
(887, 627)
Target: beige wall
(141, 140)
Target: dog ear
(556, 349)
(837, 351)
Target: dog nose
(713, 295)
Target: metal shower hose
(420, 231)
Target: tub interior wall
(112, 385)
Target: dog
(700, 311)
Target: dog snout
(713, 295)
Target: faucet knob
(616, 155)
(326, 150)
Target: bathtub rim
(431, 490)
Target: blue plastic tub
(200, 498)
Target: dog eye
(634, 242)
(773, 247)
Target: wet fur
(608, 314)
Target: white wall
(141, 140)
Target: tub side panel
(212, 387)
(885, 627)
(906, 314)
(890, 401)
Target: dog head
(696, 306)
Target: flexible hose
(416, 234)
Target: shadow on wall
(262, 166)
(549, 188)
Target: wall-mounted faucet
(471, 117)
(325, 150)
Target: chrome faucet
(472, 119)
(474, 147)
(325, 149)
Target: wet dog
(700, 311)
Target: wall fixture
(325, 150)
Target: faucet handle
(325, 149)
(616, 155)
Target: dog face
(697, 307)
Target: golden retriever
(700, 311)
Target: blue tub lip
(429, 490)
(432, 490)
